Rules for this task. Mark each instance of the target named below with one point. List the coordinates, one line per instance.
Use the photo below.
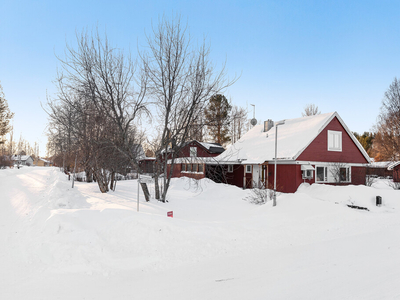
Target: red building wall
(185, 152)
(288, 178)
(177, 172)
(396, 173)
(358, 175)
(201, 151)
(318, 149)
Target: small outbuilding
(41, 162)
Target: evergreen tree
(366, 140)
(387, 130)
(5, 116)
(217, 119)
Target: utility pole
(276, 150)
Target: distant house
(41, 162)
(25, 160)
(146, 163)
(380, 169)
(193, 158)
(395, 168)
(314, 149)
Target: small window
(308, 174)
(193, 151)
(334, 140)
(230, 168)
(201, 168)
(248, 168)
(194, 167)
(189, 167)
(344, 174)
(184, 167)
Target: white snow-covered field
(63, 243)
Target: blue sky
(339, 55)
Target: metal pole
(276, 148)
(73, 177)
(138, 182)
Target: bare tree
(339, 172)
(310, 110)
(101, 98)
(387, 130)
(181, 81)
(238, 122)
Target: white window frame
(328, 177)
(248, 168)
(230, 168)
(193, 151)
(334, 140)
(308, 174)
(325, 168)
(348, 174)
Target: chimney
(268, 125)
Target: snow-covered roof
(393, 165)
(213, 147)
(380, 164)
(294, 136)
(44, 160)
(193, 160)
(208, 146)
(22, 157)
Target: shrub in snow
(370, 180)
(394, 185)
(260, 194)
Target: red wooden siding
(177, 172)
(358, 175)
(236, 177)
(318, 149)
(185, 153)
(288, 178)
(396, 173)
(201, 151)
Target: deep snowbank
(216, 246)
(360, 195)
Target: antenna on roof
(254, 120)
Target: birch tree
(181, 81)
(100, 85)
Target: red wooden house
(314, 149)
(192, 159)
(395, 167)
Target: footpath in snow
(64, 243)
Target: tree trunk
(145, 191)
(156, 185)
(102, 180)
(112, 181)
(89, 175)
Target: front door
(256, 176)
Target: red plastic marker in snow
(170, 214)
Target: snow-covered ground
(63, 243)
